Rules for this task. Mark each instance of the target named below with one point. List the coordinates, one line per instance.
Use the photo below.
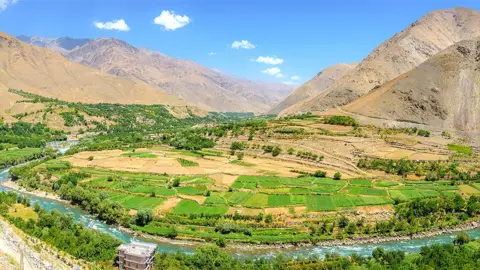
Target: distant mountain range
(194, 83)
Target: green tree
(337, 176)
(461, 239)
(276, 151)
(351, 228)
(320, 174)
(343, 222)
(143, 217)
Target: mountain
(63, 45)
(443, 91)
(315, 86)
(427, 36)
(194, 83)
(47, 73)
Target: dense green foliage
(432, 170)
(24, 134)
(61, 231)
(341, 120)
(442, 257)
(17, 156)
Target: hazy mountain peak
(185, 79)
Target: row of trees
(61, 231)
(460, 255)
(432, 170)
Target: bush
(337, 176)
(90, 158)
(240, 155)
(276, 151)
(320, 174)
(423, 133)
(341, 120)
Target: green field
(134, 202)
(358, 190)
(242, 163)
(139, 155)
(462, 149)
(17, 156)
(135, 191)
(360, 182)
(187, 163)
(186, 207)
(386, 183)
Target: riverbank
(41, 194)
(355, 241)
(247, 247)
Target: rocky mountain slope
(315, 86)
(194, 83)
(46, 72)
(427, 36)
(444, 91)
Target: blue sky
(308, 35)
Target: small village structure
(136, 256)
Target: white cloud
(280, 75)
(271, 60)
(212, 53)
(295, 78)
(119, 25)
(5, 3)
(171, 21)
(289, 83)
(244, 44)
(272, 71)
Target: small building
(136, 256)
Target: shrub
(276, 151)
(320, 174)
(423, 133)
(337, 176)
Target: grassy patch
(187, 163)
(360, 182)
(358, 190)
(21, 211)
(320, 203)
(237, 197)
(139, 154)
(134, 202)
(257, 200)
(196, 190)
(385, 183)
(17, 156)
(242, 163)
(215, 199)
(185, 207)
(285, 200)
(469, 189)
(462, 149)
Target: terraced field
(199, 195)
